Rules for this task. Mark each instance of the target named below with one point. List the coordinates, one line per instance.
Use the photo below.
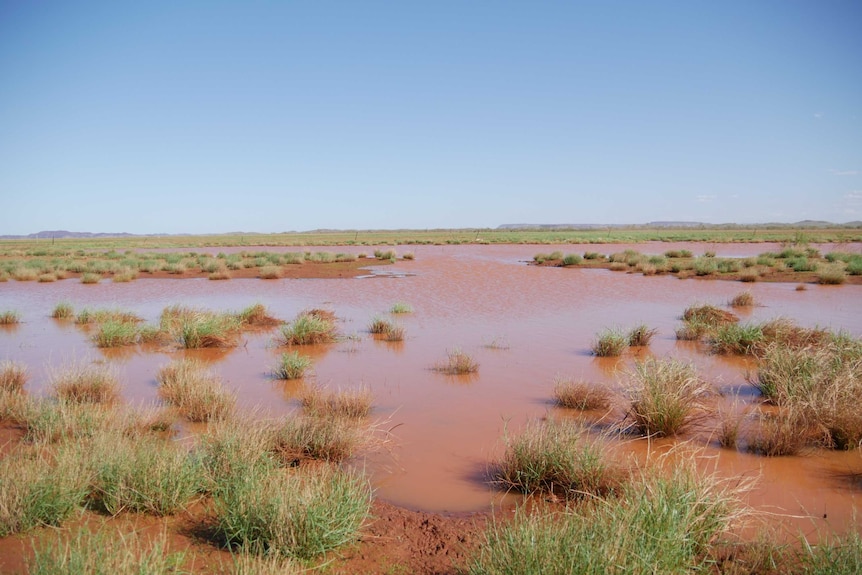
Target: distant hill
(58, 234)
(675, 224)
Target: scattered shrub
(457, 363)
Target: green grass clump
(209, 330)
(838, 555)
(610, 343)
(91, 278)
(394, 332)
(10, 317)
(572, 260)
(291, 366)
(641, 335)
(556, 457)
(38, 489)
(79, 382)
(116, 333)
(665, 396)
(63, 310)
(660, 523)
(580, 394)
(457, 363)
(311, 327)
(195, 391)
(299, 513)
(352, 403)
(13, 376)
(328, 438)
(143, 475)
(104, 552)
(593, 256)
(739, 339)
(401, 307)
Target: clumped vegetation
(352, 403)
(10, 317)
(63, 310)
(559, 458)
(742, 299)
(578, 394)
(194, 391)
(666, 395)
(401, 307)
(641, 335)
(457, 363)
(291, 366)
(13, 376)
(310, 327)
(610, 343)
(660, 522)
(85, 383)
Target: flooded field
(524, 325)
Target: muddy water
(524, 325)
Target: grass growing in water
(556, 457)
(580, 394)
(291, 366)
(610, 343)
(311, 327)
(401, 307)
(63, 310)
(352, 403)
(85, 383)
(457, 363)
(742, 299)
(665, 395)
(195, 391)
(641, 335)
(10, 317)
(379, 325)
(116, 333)
(659, 523)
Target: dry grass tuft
(195, 391)
(709, 315)
(457, 363)
(350, 403)
(13, 376)
(581, 394)
(85, 383)
(742, 299)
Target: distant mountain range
(60, 234)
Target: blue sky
(213, 116)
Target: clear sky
(215, 116)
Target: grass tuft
(309, 327)
(63, 310)
(556, 457)
(665, 395)
(85, 383)
(401, 307)
(610, 343)
(641, 335)
(13, 376)
(351, 403)
(291, 366)
(457, 363)
(195, 391)
(580, 394)
(742, 299)
(10, 317)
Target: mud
(523, 324)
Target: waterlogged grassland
(798, 263)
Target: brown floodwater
(523, 324)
